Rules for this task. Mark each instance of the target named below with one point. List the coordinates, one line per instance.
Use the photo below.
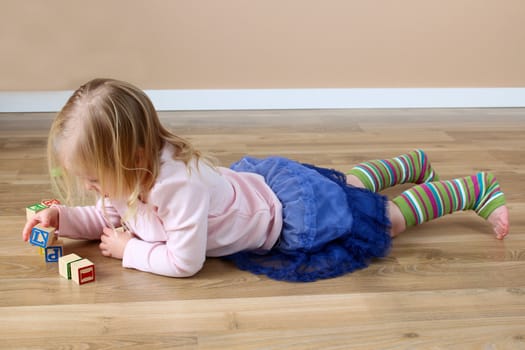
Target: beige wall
(192, 44)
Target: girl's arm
(86, 222)
(182, 209)
(47, 217)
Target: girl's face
(92, 184)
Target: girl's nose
(92, 187)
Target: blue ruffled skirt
(329, 227)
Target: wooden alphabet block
(42, 236)
(50, 202)
(53, 252)
(33, 209)
(64, 264)
(82, 271)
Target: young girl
(272, 216)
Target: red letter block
(82, 271)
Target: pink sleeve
(86, 222)
(182, 206)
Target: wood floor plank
(320, 321)
(448, 284)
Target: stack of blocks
(44, 237)
(46, 241)
(70, 266)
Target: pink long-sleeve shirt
(192, 212)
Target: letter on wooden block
(54, 251)
(82, 271)
(33, 209)
(50, 202)
(64, 264)
(42, 236)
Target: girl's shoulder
(175, 173)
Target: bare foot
(499, 219)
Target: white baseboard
(250, 99)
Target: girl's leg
(480, 192)
(377, 175)
(397, 220)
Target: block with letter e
(82, 271)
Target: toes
(500, 222)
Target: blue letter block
(53, 253)
(41, 236)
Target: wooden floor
(446, 285)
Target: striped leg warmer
(413, 167)
(480, 192)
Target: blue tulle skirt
(329, 227)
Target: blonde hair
(110, 129)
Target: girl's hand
(47, 217)
(113, 242)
